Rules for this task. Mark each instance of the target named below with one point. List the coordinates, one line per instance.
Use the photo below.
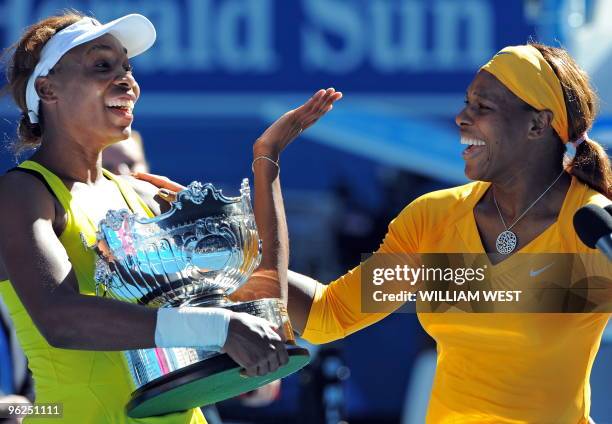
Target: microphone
(609, 208)
(593, 225)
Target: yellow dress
(491, 367)
(93, 387)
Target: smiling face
(497, 126)
(93, 91)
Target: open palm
(286, 128)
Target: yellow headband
(525, 72)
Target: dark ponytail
(591, 164)
(29, 135)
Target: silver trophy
(196, 254)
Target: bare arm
(301, 295)
(270, 279)
(42, 275)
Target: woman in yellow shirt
(522, 108)
(72, 80)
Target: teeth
(128, 104)
(472, 142)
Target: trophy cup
(196, 254)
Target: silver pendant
(506, 242)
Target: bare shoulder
(24, 195)
(26, 200)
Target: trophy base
(203, 383)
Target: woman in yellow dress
(72, 80)
(522, 109)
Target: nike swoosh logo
(537, 272)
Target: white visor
(135, 32)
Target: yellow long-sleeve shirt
(491, 367)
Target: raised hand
(286, 128)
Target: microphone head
(609, 208)
(591, 223)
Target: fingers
(271, 332)
(282, 356)
(260, 350)
(158, 181)
(331, 96)
(264, 368)
(277, 358)
(319, 101)
(312, 120)
(265, 365)
(274, 357)
(249, 371)
(167, 195)
(307, 114)
(316, 96)
(318, 105)
(310, 107)
(251, 360)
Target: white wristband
(192, 327)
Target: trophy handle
(197, 193)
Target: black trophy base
(203, 383)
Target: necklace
(507, 240)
